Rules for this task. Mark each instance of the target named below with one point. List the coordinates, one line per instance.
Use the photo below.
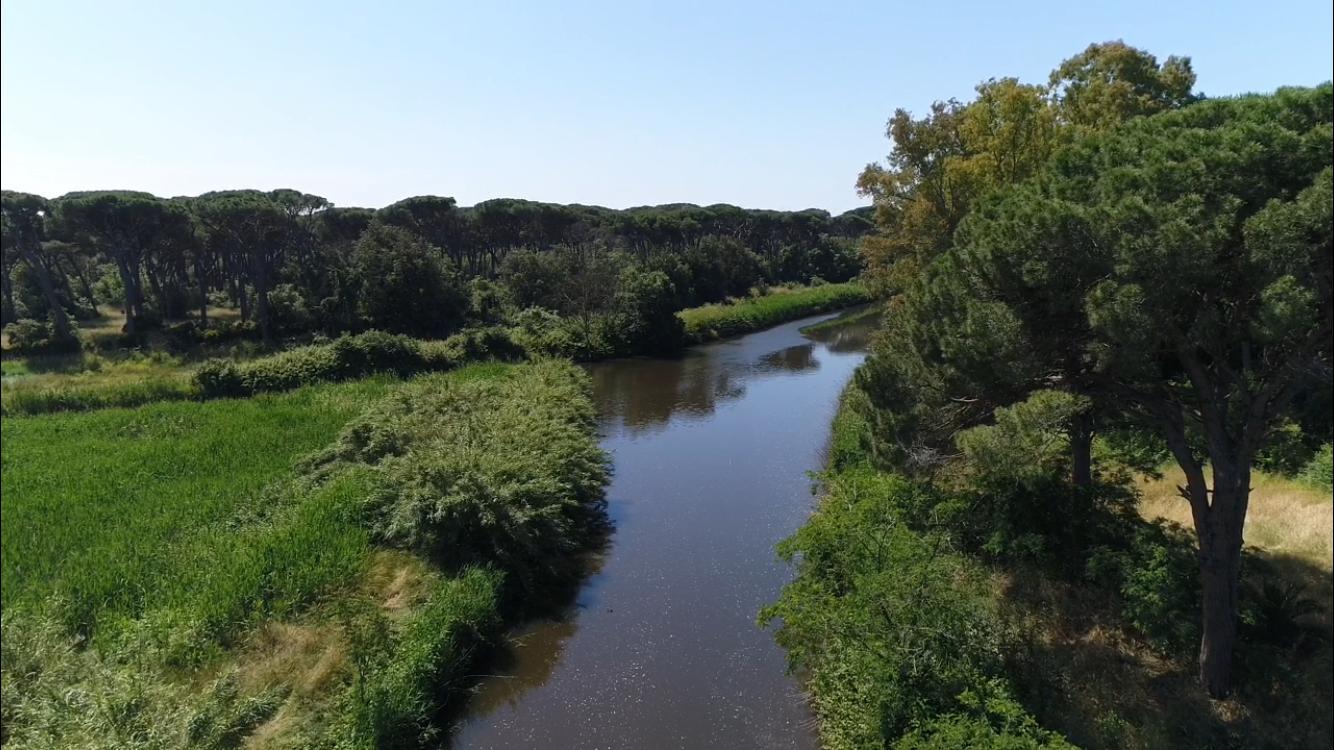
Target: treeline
(1101, 274)
(291, 262)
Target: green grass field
(119, 511)
(188, 574)
(718, 321)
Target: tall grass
(716, 321)
(82, 382)
(145, 550)
(118, 511)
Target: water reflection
(661, 649)
(636, 395)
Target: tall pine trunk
(1081, 450)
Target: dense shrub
(1014, 498)
(1319, 473)
(403, 286)
(991, 721)
(1154, 571)
(888, 625)
(28, 336)
(502, 471)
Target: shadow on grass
(1084, 674)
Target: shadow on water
(660, 648)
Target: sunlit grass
(1284, 516)
(779, 304)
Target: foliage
(1153, 570)
(1319, 473)
(944, 164)
(991, 721)
(398, 690)
(347, 357)
(889, 626)
(503, 471)
(404, 288)
(717, 321)
(28, 336)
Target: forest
(290, 263)
(1103, 378)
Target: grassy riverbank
(192, 575)
(921, 621)
(780, 304)
(87, 381)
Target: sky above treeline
(624, 103)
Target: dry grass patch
(1284, 517)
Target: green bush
(1319, 473)
(991, 721)
(501, 471)
(347, 357)
(1156, 576)
(889, 627)
(28, 336)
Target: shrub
(347, 357)
(991, 721)
(889, 626)
(503, 471)
(28, 336)
(1319, 473)
(288, 310)
(1157, 578)
(404, 288)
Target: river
(662, 650)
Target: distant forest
(290, 261)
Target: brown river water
(661, 649)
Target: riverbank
(89, 381)
(778, 305)
(660, 650)
(298, 598)
(979, 624)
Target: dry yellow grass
(1284, 518)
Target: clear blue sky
(761, 104)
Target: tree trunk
(7, 312)
(1081, 450)
(131, 308)
(1219, 573)
(59, 320)
(261, 275)
(1219, 532)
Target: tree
(1111, 82)
(646, 302)
(943, 164)
(404, 288)
(124, 226)
(253, 230)
(1186, 260)
(24, 224)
